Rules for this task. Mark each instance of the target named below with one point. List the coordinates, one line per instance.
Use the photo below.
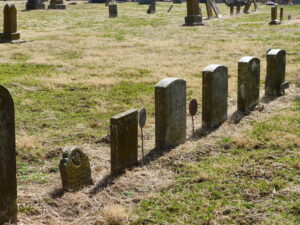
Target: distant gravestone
(214, 96)
(113, 10)
(34, 4)
(56, 4)
(75, 170)
(274, 20)
(10, 24)
(8, 179)
(124, 141)
(194, 16)
(248, 83)
(276, 61)
(170, 113)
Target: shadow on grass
(109, 179)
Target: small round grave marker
(193, 108)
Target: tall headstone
(248, 83)
(274, 20)
(170, 113)
(10, 24)
(56, 4)
(75, 170)
(34, 4)
(124, 141)
(8, 179)
(214, 96)
(113, 10)
(276, 61)
(194, 17)
(281, 14)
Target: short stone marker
(34, 4)
(113, 10)
(56, 4)
(214, 96)
(274, 20)
(8, 179)
(194, 17)
(170, 113)
(75, 170)
(10, 24)
(248, 83)
(124, 141)
(276, 61)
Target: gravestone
(152, 7)
(124, 141)
(34, 4)
(170, 113)
(144, 2)
(274, 20)
(113, 10)
(248, 83)
(276, 61)
(75, 170)
(10, 24)
(214, 96)
(194, 16)
(56, 4)
(8, 179)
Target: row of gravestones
(170, 123)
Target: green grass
(243, 184)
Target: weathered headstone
(170, 113)
(152, 7)
(10, 24)
(75, 170)
(214, 96)
(194, 17)
(113, 10)
(248, 83)
(34, 4)
(274, 20)
(56, 4)
(124, 141)
(8, 179)
(276, 61)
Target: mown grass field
(79, 67)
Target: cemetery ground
(79, 67)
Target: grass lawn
(79, 67)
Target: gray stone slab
(214, 96)
(8, 179)
(170, 113)
(276, 62)
(248, 83)
(124, 141)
